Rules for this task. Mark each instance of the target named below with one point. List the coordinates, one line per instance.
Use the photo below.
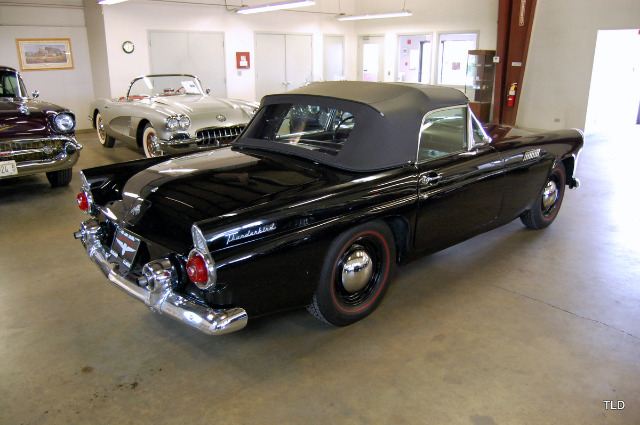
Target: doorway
(283, 62)
(414, 59)
(614, 95)
(334, 58)
(370, 58)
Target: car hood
(202, 107)
(24, 118)
(163, 201)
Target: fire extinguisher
(511, 97)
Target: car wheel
(60, 177)
(150, 142)
(355, 274)
(546, 208)
(105, 140)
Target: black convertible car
(328, 189)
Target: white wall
(557, 79)
(429, 17)
(556, 82)
(132, 21)
(71, 88)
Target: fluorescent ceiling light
(110, 1)
(374, 16)
(276, 6)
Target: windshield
(165, 85)
(11, 85)
(312, 127)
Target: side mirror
(208, 90)
(35, 94)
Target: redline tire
(355, 275)
(545, 209)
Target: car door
(460, 181)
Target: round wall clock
(128, 46)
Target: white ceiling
(323, 6)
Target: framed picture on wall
(44, 53)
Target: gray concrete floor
(512, 327)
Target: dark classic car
(328, 189)
(35, 137)
(169, 113)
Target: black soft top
(388, 117)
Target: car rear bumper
(160, 297)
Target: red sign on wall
(242, 60)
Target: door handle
(430, 179)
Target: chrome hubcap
(152, 145)
(549, 195)
(101, 133)
(357, 270)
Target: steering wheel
(340, 123)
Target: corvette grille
(31, 150)
(218, 136)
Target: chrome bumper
(67, 159)
(170, 147)
(159, 296)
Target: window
(453, 54)
(11, 86)
(480, 137)
(442, 133)
(165, 85)
(316, 128)
(414, 58)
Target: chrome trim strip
(161, 297)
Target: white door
(198, 53)
(334, 57)
(370, 58)
(206, 50)
(299, 60)
(169, 52)
(270, 64)
(283, 62)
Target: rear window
(316, 128)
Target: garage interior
(511, 327)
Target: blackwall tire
(60, 177)
(355, 275)
(545, 209)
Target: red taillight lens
(197, 269)
(83, 202)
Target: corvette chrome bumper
(157, 293)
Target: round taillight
(83, 202)
(197, 269)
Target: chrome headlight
(64, 122)
(175, 122)
(184, 122)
